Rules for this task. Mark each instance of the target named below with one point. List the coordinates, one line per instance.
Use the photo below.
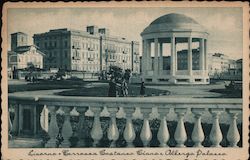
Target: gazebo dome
(173, 22)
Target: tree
(115, 73)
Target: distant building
(182, 59)
(23, 55)
(93, 50)
(219, 63)
(223, 67)
(18, 39)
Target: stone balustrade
(179, 111)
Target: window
(65, 43)
(65, 54)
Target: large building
(23, 55)
(221, 66)
(93, 50)
(188, 66)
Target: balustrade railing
(182, 122)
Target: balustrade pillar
(198, 134)
(146, 134)
(233, 135)
(215, 134)
(129, 132)
(53, 128)
(180, 134)
(44, 119)
(113, 133)
(16, 119)
(66, 128)
(10, 126)
(81, 130)
(96, 132)
(163, 133)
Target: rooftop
(173, 22)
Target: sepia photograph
(115, 80)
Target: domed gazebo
(187, 66)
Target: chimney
(92, 29)
(104, 31)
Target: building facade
(23, 55)
(220, 64)
(93, 50)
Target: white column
(161, 59)
(129, 132)
(163, 133)
(53, 128)
(202, 63)
(20, 117)
(180, 134)
(146, 134)
(216, 134)
(15, 121)
(206, 56)
(113, 133)
(35, 120)
(198, 134)
(66, 128)
(81, 132)
(96, 132)
(144, 57)
(156, 58)
(233, 135)
(149, 59)
(173, 57)
(190, 68)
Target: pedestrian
(142, 90)
(124, 87)
(112, 88)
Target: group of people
(114, 88)
(121, 89)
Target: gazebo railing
(179, 110)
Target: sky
(223, 24)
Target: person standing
(125, 88)
(112, 88)
(142, 90)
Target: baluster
(198, 134)
(15, 121)
(96, 132)
(113, 133)
(180, 134)
(233, 135)
(163, 133)
(10, 125)
(66, 128)
(129, 132)
(146, 134)
(81, 132)
(44, 119)
(215, 134)
(53, 128)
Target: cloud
(220, 22)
